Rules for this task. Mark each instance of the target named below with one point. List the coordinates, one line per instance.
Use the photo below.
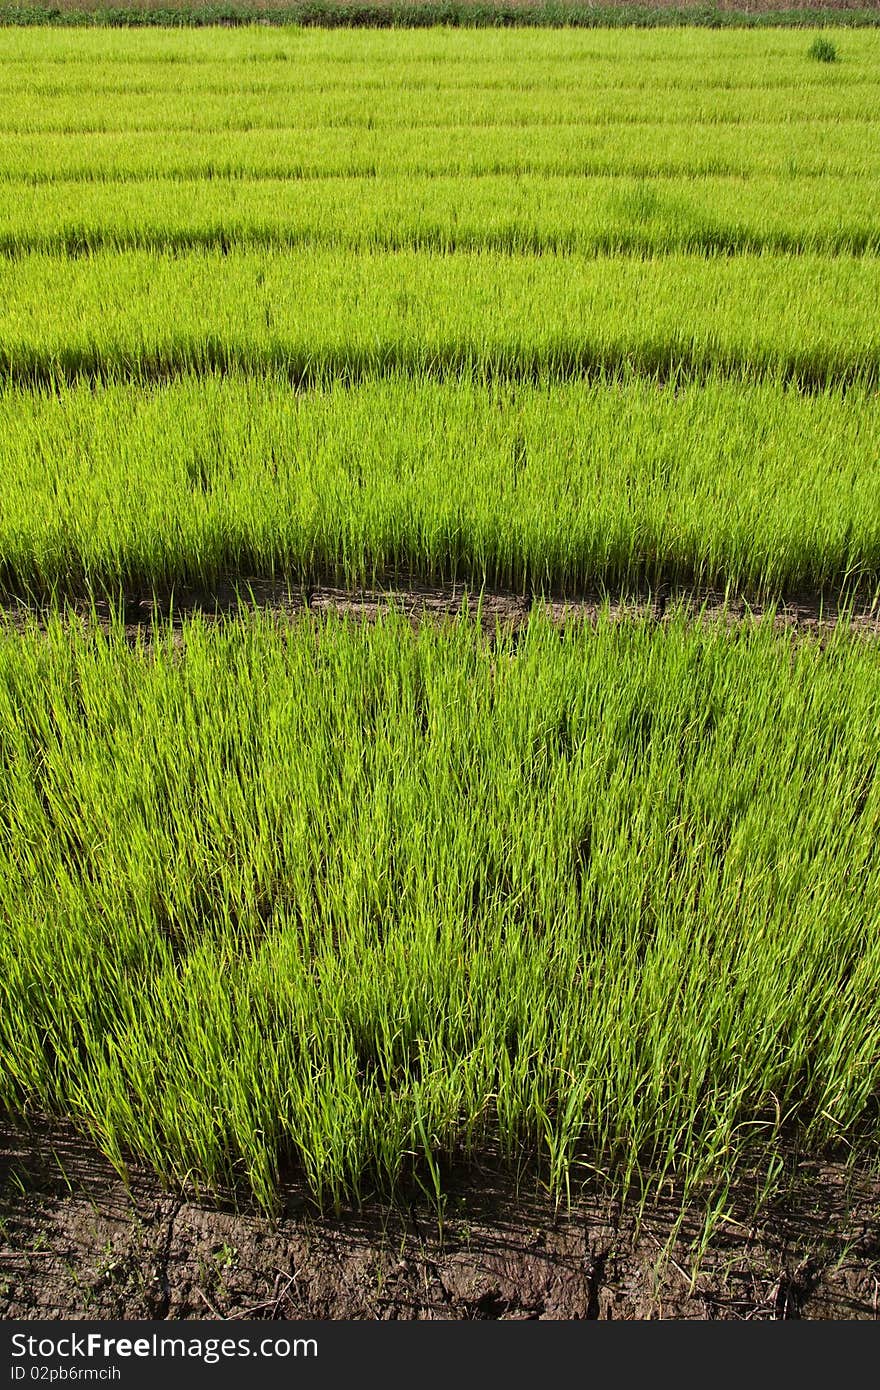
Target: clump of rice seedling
(242, 857)
(823, 51)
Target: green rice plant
(559, 486)
(143, 316)
(101, 82)
(836, 148)
(364, 900)
(447, 215)
(336, 895)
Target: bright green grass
(559, 486)
(341, 896)
(143, 314)
(438, 57)
(448, 214)
(832, 94)
(844, 149)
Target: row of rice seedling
(356, 898)
(538, 57)
(182, 110)
(551, 486)
(448, 214)
(44, 75)
(144, 315)
(782, 149)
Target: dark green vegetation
(424, 14)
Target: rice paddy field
(350, 904)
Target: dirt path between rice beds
(806, 613)
(74, 1242)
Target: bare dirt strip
(75, 1241)
(806, 613)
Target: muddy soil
(75, 1242)
(804, 612)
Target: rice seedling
(332, 895)
(446, 215)
(550, 486)
(539, 310)
(839, 147)
(144, 316)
